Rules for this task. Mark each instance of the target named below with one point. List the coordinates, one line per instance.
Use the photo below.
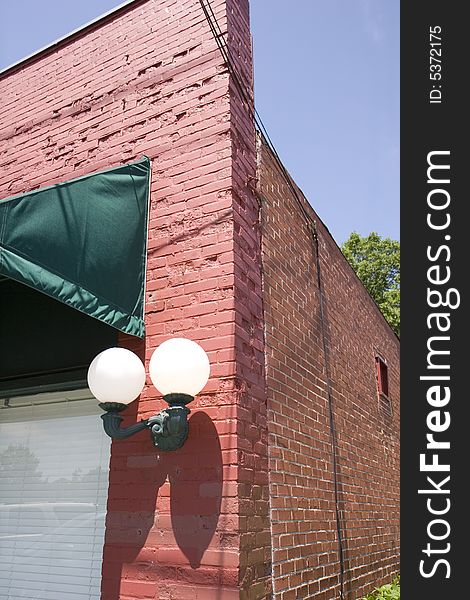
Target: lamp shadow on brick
(134, 486)
(195, 476)
(137, 474)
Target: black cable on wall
(334, 441)
(311, 225)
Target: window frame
(382, 380)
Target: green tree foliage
(376, 262)
(389, 591)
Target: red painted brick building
(287, 486)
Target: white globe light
(116, 375)
(179, 366)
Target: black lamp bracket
(169, 428)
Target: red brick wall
(253, 491)
(304, 534)
(150, 80)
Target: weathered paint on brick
(248, 500)
(150, 80)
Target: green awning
(84, 243)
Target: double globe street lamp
(179, 369)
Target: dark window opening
(45, 344)
(385, 404)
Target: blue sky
(326, 88)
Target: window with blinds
(54, 461)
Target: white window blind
(54, 461)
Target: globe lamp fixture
(179, 369)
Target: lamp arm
(112, 426)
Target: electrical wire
(334, 441)
(229, 62)
(311, 224)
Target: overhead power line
(230, 63)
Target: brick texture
(255, 541)
(303, 516)
(150, 80)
